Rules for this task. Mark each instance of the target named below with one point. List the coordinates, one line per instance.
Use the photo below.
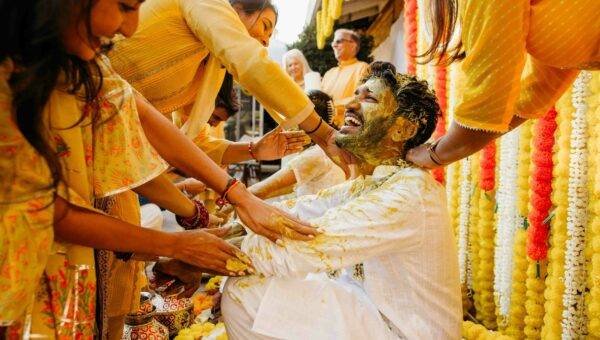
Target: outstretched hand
(206, 250)
(269, 221)
(278, 143)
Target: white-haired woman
(297, 67)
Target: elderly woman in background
(297, 67)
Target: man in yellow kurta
(341, 81)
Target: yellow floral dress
(99, 158)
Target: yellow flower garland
(553, 306)
(534, 303)
(473, 235)
(484, 276)
(473, 331)
(593, 236)
(453, 196)
(516, 320)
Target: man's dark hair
(416, 102)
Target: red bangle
(221, 201)
(197, 221)
(250, 150)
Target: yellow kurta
(98, 160)
(559, 38)
(166, 60)
(340, 83)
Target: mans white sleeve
(386, 219)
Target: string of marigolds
(556, 255)
(453, 195)
(574, 323)
(506, 224)
(485, 227)
(441, 72)
(593, 253)
(473, 331)
(541, 187)
(473, 259)
(537, 233)
(516, 320)
(410, 38)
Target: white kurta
(397, 225)
(314, 171)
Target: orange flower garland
(410, 29)
(440, 129)
(541, 186)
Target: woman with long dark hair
(558, 38)
(179, 56)
(72, 131)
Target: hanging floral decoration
(463, 220)
(556, 254)
(517, 313)
(593, 244)
(574, 323)
(440, 129)
(541, 187)
(410, 38)
(506, 217)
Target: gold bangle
(433, 155)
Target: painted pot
(173, 312)
(142, 325)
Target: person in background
(297, 67)
(341, 81)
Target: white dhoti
(288, 308)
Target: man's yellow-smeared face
(369, 120)
(374, 103)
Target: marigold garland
(556, 256)
(517, 313)
(541, 187)
(473, 221)
(534, 303)
(453, 195)
(410, 31)
(473, 331)
(487, 181)
(593, 253)
(516, 319)
(441, 72)
(484, 275)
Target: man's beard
(367, 142)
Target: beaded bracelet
(221, 201)
(197, 221)
(251, 150)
